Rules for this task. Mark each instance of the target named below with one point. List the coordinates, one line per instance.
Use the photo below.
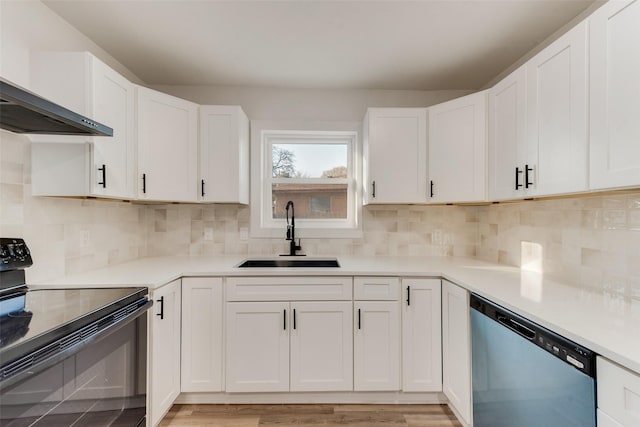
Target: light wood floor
(310, 415)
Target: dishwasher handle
(516, 327)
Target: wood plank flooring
(310, 415)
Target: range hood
(22, 111)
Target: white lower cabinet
(201, 363)
(321, 346)
(421, 335)
(257, 346)
(618, 395)
(282, 346)
(456, 349)
(164, 344)
(376, 346)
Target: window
(317, 171)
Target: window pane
(309, 160)
(310, 200)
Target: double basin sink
(290, 263)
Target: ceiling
(394, 44)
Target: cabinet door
(376, 346)
(114, 158)
(164, 360)
(458, 150)
(321, 346)
(167, 147)
(507, 143)
(456, 349)
(557, 115)
(614, 38)
(257, 346)
(421, 335)
(395, 155)
(85, 165)
(201, 334)
(224, 155)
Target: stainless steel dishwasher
(525, 375)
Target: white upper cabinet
(538, 123)
(557, 144)
(458, 150)
(395, 151)
(103, 166)
(167, 147)
(224, 155)
(507, 144)
(614, 38)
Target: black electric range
(43, 328)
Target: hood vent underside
(22, 111)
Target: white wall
(30, 25)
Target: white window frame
(263, 136)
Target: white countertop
(606, 324)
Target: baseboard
(311, 398)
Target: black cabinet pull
(144, 183)
(161, 314)
(294, 318)
(373, 184)
(527, 169)
(202, 187)
(284, 325)
(359, 320)
(431, 188)
(408, 295)
(104, 176)
(518, 172)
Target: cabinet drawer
(376, 288)
(618, 392)
(289, 288)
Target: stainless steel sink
(288, 262)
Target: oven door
(101, 384)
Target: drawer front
(618, 393)
(376, 288)
(289, 289)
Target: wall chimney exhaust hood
(22, 111)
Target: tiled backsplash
(592, 241)
(64, 235)
(388, 230)
(589, 241)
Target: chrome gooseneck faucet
(291, 231)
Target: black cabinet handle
(431, 188)
(161, 314)
(518, 172)
(359, 320)
(202, 187)
(373, 194)
(284, 324)
(144, 183)
(527, 169)
(104, 176)
(294, 318)
(408, 295)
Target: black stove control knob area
(14, 254)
